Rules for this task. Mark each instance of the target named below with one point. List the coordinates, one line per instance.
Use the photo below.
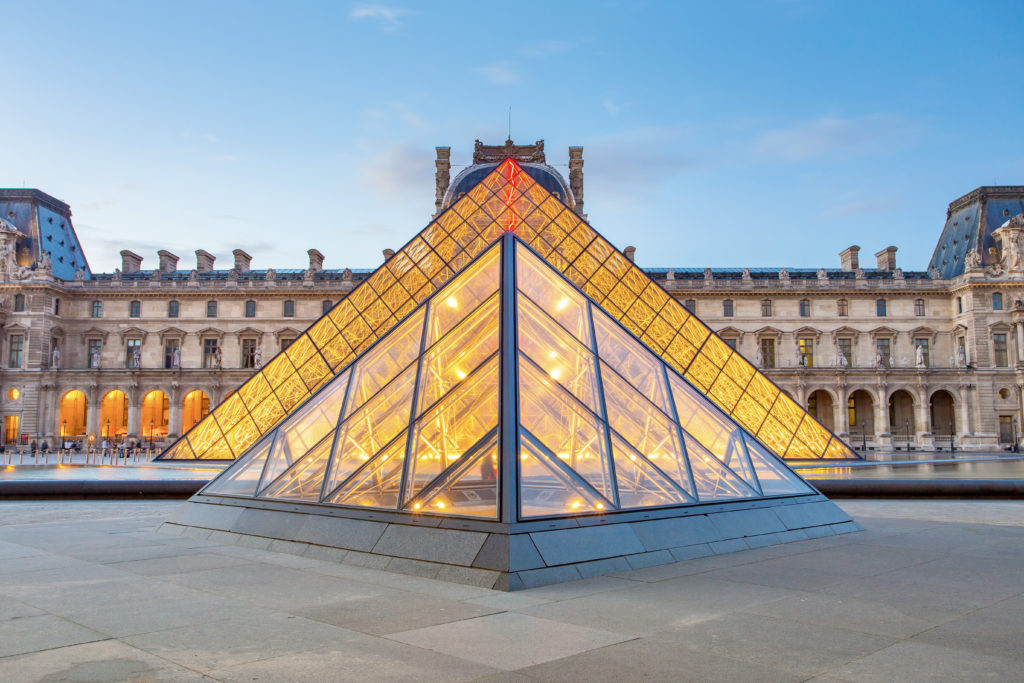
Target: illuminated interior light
(600, 506)
(460, 374)
(556, 373)
(440, 504)
(415, 506)
(562, 303)
(452, 302)
(575, 504)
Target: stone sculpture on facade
(175, 358)
(258, 357)
(919, 356)
(94, 359)
(136, 358)
(55, 358)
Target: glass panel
(814, 435)
(544, 489)
(464, 294)
(372, 427)
(378, 484)
(218, 451)
(564, 359)
(242, 435)
(471, 489)
(640, 484)
(306, 477)
(631, 360)
(776, 479)
(837, 449)
(552, 293)
(712, 479)
(204, 435)
(457, 355)
(181, 451)
(230, 411)
(267, 414)
(716, 433)
(383, 362)
(454, 426)
(644, 427)
(564, 426)
(311, 422)
(241, 479)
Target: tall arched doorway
(942, 414)
(860, 409)
(73, 408)
(820, 405)
(194, 409)
(114, 415)
(901, 416)
(155, 415)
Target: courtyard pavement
(930, 591)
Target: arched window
(173, 309)
(73, 407)
(114, 415)
(843, 307)
(134, 309)
(805, 308)
(250, 309)
(327, 306)
(194, 409)
(211, 309)
(19, 303)
(727, 308)
(880, 308)
(289, 309)
(154, 416)
(997, 301)
(918, 306)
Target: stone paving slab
(89, 591)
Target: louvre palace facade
(883, 356)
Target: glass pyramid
(508, 395)
(508, 200)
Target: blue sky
(750, 133)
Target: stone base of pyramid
(508, 557)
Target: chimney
(849, 259)
(130, 261)
(442, 175)
(242, 261)
(388, 253)
(316, 260)
(887, 259)
(168, 261)
(204, 261)
(576, 177)
(629, 253)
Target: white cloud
(388, 17)
(831, 135)
(500, 73)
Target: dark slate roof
(970, 221)
(46, 222)
(283, 274)
(773, 274)
(544, 175)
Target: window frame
(997, 301)
(881, 308)
(728, 308)
(766, 308)
(843, 308)
(16, 346)
(135, 309)
(212, 308)
(919, 307)
(690, 305)
(1000, 350)
(805, 308)
(288, 308)
(96, 309)
(19, 303)
(173, 308)
(326, 306)
(250, 309)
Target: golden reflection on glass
(384, 361)
(463, 295)
(631, 360)
(640, 483)
(545, 489)
(552, 294)
(471, 488)
(710, 476)
(304, 479)
(571, 432)
(244, 477)
(378, 483)
(452, 427)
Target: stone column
(92, 411)
(842, 416)
(174, 414)
(883, 439)
(442, 170)
(922, 423)
(134, 411)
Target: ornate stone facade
(885, 357)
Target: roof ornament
(747, 277)
(524, 154)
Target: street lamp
(907, 421)
(108, 430)
(151, 423)
(64, 430)
(952, 445)
(863, 437)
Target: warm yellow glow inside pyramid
(508, 199)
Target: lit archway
(901, 415)
(821, 406)
(942, 413)
(861, 412)
(194, 409)
(73, 408)
(155, 415)
(114, 415)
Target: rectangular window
(805, 308)
(95, 352)
(56, 306)
(959, 304)
(135, 309)
(170, 346)
(767, 353)
(285, 343)
(923, 345)
(248, 353)
(730, 342)
(289, 309)
(209, 353)
(211, 309)
(999, 350)
(882, 352)
(997, 301)
(727, 308)
(327, 306)
(173, 309)
(690, 305)
(880, 308)
(766, 308)
(133, 354)
(843, 307)
(250, 309)
(19, 303)
(806, 352)
(97, 309)
(845, 345)
(16, 350)
(918, 306)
